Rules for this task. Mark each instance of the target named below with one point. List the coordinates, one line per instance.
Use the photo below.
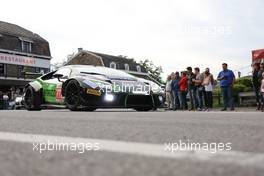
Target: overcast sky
(171, 33)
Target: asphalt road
(131, 143)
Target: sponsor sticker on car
(59, 96)
(94, 92)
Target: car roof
(84, 66)
(100, 69)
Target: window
(138, 68)
(2, 69)
(127, 67)
(65, 72)
(21, 71)
(37, 69)
(113, 65)
(26, 46)
(42, 71)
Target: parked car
(83, 87)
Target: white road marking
(143, 149)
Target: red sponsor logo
(58, 94)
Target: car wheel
(144, 109)
(72, 95)
(32, 99)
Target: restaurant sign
(23, 60)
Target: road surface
(125, 142)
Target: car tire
(72, 95)
(144, 109)
(32, 99)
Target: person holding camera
(227, 79)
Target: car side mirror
(58, 76)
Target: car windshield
(108, 72)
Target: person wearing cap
(227, 79)
(191, 88)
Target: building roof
(120, 62)
(15, 30)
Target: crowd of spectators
(197, 87)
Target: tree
(153, 70)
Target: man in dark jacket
(256, 84)
(191, 88)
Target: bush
(245, 81)
(237, 88)
(241, 85)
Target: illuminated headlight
(109, 97)
(160, 98)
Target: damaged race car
(84, 87)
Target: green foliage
(154, 71)
(217, 90)
(246, 81)
(243, 84)
(237, 88)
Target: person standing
(1, 100)
(190, 86)
(175, 91)
(208, 83)
(5, 100)
(227, 79)
(168, 93)
(256, 81)
(199, 89)
(261, 70)
(183, 91)
(262, 92)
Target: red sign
(257, 55)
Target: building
(24, 55)
(83, 57)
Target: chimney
(80, 49)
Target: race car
(85, 87)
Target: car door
(52, 87)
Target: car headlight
(109, 97)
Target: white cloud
(172, 33)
